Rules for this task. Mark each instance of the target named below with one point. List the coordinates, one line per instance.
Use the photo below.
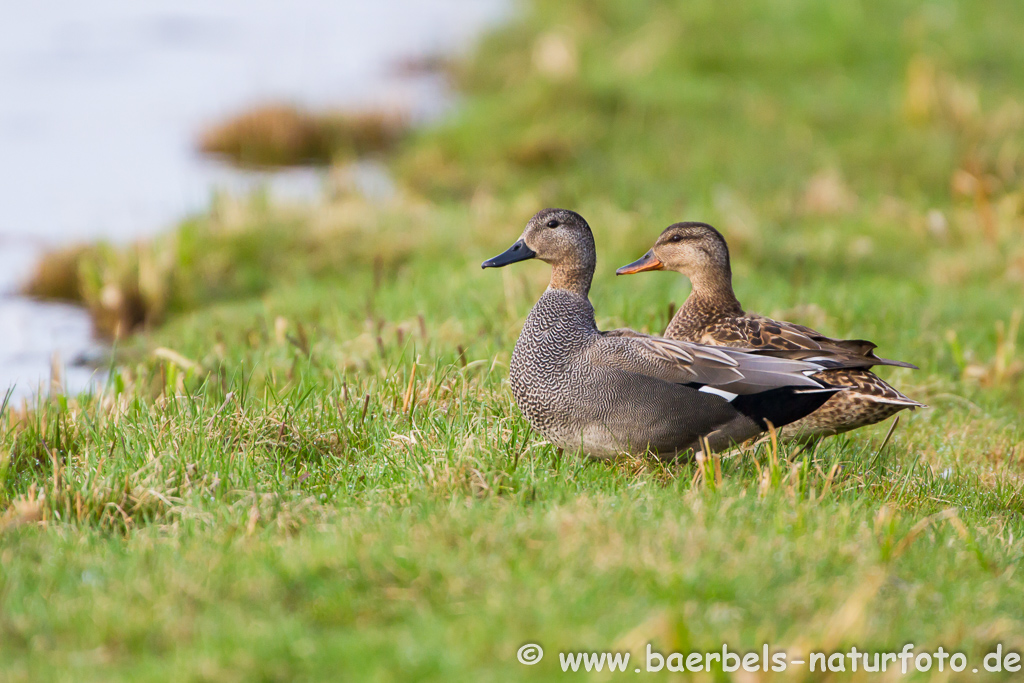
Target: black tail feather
(783, 405)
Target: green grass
(307, 465)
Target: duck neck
(710, 300)
(576, 273)
(714, 287)
(572, 278)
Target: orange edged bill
(646, 262)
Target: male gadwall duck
(624, 392)
(712, 315)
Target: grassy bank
(307, 463)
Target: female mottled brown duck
(712, 315)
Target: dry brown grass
(284, 135)
(56, 275)
(123, 288)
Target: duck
(713, 315)
(604, 394)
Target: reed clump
(276, 135)
(238, 249)
(55, 277)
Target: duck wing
(736, 371)
(759, 332)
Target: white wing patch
(718, 392)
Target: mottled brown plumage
(712, 315)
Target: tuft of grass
(236, 250)
(56, 275)
(275, 135)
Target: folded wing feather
(734, 370)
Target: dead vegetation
(234, 251)
(276, 135)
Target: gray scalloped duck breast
(712, 315)
(625, 392)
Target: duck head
(560, 238)
(696, 250)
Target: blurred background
(104, 104)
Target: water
(102, 102)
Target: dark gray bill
(517, 252)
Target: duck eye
(552, 223)
(677, 238)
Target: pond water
(102, 103)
